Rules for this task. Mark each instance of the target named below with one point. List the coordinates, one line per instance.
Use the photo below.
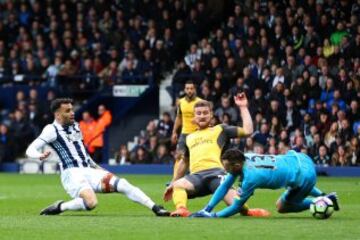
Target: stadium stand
(297, 61)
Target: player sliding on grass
(204, 147)
(295, 171)
(81, 177)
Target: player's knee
(282, 207)
(106, 185)
(178, 184)
(279, 206)
(179, 155)
(91, 203)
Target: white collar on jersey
(61, 127)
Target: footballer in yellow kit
(184, 119)
(204, 148)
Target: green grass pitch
(23, 196)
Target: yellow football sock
(244, 209)
(180, 197)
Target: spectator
(292, 116)
(341, 157)
(7, 145)
(178, 82)
(353, 114)
(152, 146)
(87, 126)
(102, 123)
(322, 159)
(257, 104)
(323, 123)
(354, 150)
(249, 145)
(299, 143)
(331, 135)
(335, 144)
(345, 131)
(141, 156)
(22, 132)
(162, 156)
(226, 108)
(275, 127)
(263, 135)
(122, 157)
(165, 126)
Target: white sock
(73, 205)
(132, 192)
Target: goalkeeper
(294, 170)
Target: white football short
(74, 180)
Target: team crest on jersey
(74, 136)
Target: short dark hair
(233, 155)
(56, 104)
(190, 82)
(203, 103)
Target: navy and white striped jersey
(68, 144)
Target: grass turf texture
(23, 196)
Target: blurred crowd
(19, 126)
(297, 61)
(80, 47)
(83, 46)
(299, 64)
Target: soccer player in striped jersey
(294, 171)
(81, 177)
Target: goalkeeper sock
(132, 192)
(74, 205)
(179, 198)
(315, 192)
(304, 205)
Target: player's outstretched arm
(242, 102)
(237, 204)
(220, 192)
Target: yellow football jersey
(204, 147)
(186, 109)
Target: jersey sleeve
(247, 190)
(233, 131)
(48, 134)
(221, 191)
(178, 111)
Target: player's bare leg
(179, 155)
(181, 188)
